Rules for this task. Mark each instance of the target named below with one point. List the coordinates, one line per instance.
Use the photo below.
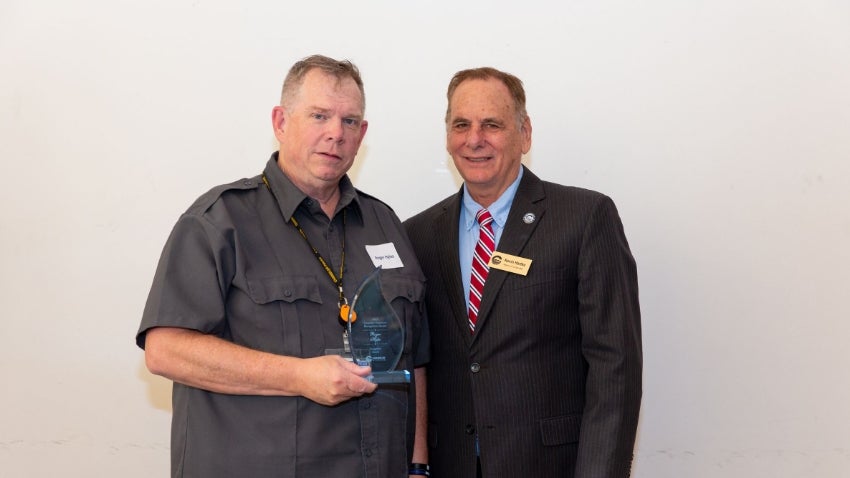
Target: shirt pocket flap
(406, 287)
(285, 288)
(560, 430)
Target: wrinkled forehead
(319, 87)
(317, 81)
(479, 99)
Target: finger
(360, 385)
(364, 371)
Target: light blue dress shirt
(468, 227)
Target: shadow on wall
(159, 388)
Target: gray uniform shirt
(234, 267)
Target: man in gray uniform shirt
(246, 302)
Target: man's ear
(364, 125)
(278, 120)
(525, 130)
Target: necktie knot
(483, 217)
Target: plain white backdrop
(720, 128)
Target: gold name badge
(509, 263)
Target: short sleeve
(191, 280)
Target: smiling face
(485, 137)
(320, 130)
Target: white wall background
(721, 129)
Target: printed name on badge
(509, 263)
(384, 256)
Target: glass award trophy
(375, 333)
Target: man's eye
(351, 122)
(318, 116)
(491, 126)
(460, 126)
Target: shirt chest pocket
(405, 295)
(272, 310)
(284, 288)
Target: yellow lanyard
(336, 281)
(343, 302)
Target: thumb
(360, 370)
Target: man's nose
(335, 131)
(474, 137)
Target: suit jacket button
(475, 367)
(470, 430)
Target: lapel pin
(529, 218)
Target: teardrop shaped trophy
(375, 332)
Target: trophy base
(392, 376)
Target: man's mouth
(329, 155)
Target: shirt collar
(289, 197)
(499, 209)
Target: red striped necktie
(480, 259)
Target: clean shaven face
(484, 137)
(320, 132)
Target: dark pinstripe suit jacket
(551, 380)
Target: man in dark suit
(537, 372)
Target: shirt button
(248, 182)
(287, 293)
(470, 430)
(409, 294)
(367, 452)
(367, 404)
(475, 367)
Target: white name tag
(384, 256)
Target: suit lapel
(529, 199)
(450, 264)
